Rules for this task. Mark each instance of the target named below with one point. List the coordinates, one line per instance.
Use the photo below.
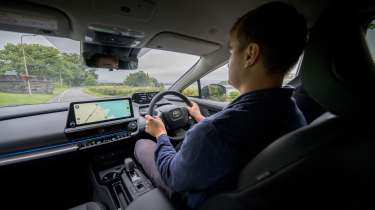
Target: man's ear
(252, 53)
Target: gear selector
(130, 170)
(129, 164)
(134, 180)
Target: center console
(130, 188)
(117, 179)
(136, 182)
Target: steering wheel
(175, 118)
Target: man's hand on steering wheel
(155, 126)
(195, 112)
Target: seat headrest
(337, 69)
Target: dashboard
(41, 130)
(34, 131)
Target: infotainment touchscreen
(98, 111)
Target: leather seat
(89, 206)
(309, 108)
(328, 164)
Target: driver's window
(215, 86)
(370, 38)
(192, 90)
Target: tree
(90, 80)
(46, 62)
(232, 95)
(141, 79)
(191, 91)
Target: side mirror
(214, 91)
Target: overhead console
(93, 123)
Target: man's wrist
(199, 118)
(160, 134)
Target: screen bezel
(73, 118)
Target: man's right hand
(195, 112)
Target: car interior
(50, 158)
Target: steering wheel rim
(160, 95)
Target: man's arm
(201, 161)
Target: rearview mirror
(112, 62)
(110, 57)
(214, 91)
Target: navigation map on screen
(101, 111)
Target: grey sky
(165, 66)
(63, 44)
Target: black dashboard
(33, 131)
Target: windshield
(39, 69)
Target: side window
(215, 86)
(293, 73)
(370, 38)
(191, 90)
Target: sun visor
(32, 18)
(180, 43)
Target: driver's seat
(329, 164)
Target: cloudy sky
(165, 66)
(63, 44)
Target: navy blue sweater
(215, 149)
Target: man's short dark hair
(278, 29)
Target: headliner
(208, 20)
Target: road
(72, 94)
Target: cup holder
(111, 175)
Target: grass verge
(22, 98)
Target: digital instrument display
(143, 98)
(98, 111)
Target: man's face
(236, 61)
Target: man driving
(264, 44)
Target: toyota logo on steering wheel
(176, 113)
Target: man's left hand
(155, 126)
